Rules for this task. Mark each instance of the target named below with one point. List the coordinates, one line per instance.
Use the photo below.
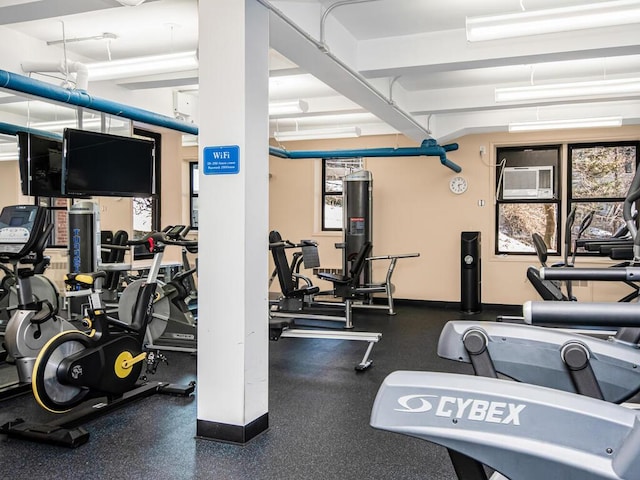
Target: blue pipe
(80, 98)
(11, 129)
(428, 148)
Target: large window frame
(615, 164)
(150, 204)
(333, 171)
(153, 202)
(532, 215)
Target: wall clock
(458, 185)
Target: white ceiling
(426, 78)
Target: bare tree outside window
(600, 176)
(533, 209)
(333, 171)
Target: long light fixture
(130, 67)
(593, 89)
(564, 124)
(4, 156)
(317, 134)
(59, 125)
(594, 15)
(288, 107)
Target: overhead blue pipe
(80, 98)
(429, 148)
(11, 129)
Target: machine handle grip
(575, 314)
(611, 274)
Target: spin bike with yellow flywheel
(108, 361)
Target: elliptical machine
(23, 237)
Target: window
(528, 198)
(194, 183)
(333, 171)
(600, 175)
(58, 216)
(146, 211)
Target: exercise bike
(75, 366)
(34, 320)
(172, 325)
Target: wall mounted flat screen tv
(40, 163)
(100, 164)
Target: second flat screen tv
(100, 164)
(40, 163)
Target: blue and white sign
(221, 160)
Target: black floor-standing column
(84, 245)
(470, 273)
(357, 218)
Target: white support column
(233, 200)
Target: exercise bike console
(19, 229)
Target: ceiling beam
(424, 54)
(304, 51)
(482, 97)
(41, 9)
(447, 127)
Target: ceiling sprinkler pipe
(11, 129)
(31, 86)
(428, 148)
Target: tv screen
(40, 162)
(100, 164)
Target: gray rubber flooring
(319, 411)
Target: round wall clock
(458, 185)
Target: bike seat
(80, 281)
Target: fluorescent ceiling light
(599, 88)
(189, 140)
(288, 107)
(317, 134)
(59, 125)
(4, 156)
(594, 15)
(130, 67)
(562, 124)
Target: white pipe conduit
(80, 69)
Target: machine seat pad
(331, 277)
(82, 280)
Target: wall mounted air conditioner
(527, 183)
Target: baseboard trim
(236, 434)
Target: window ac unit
(522, 183)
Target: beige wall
(9, 183)
(415, 212)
